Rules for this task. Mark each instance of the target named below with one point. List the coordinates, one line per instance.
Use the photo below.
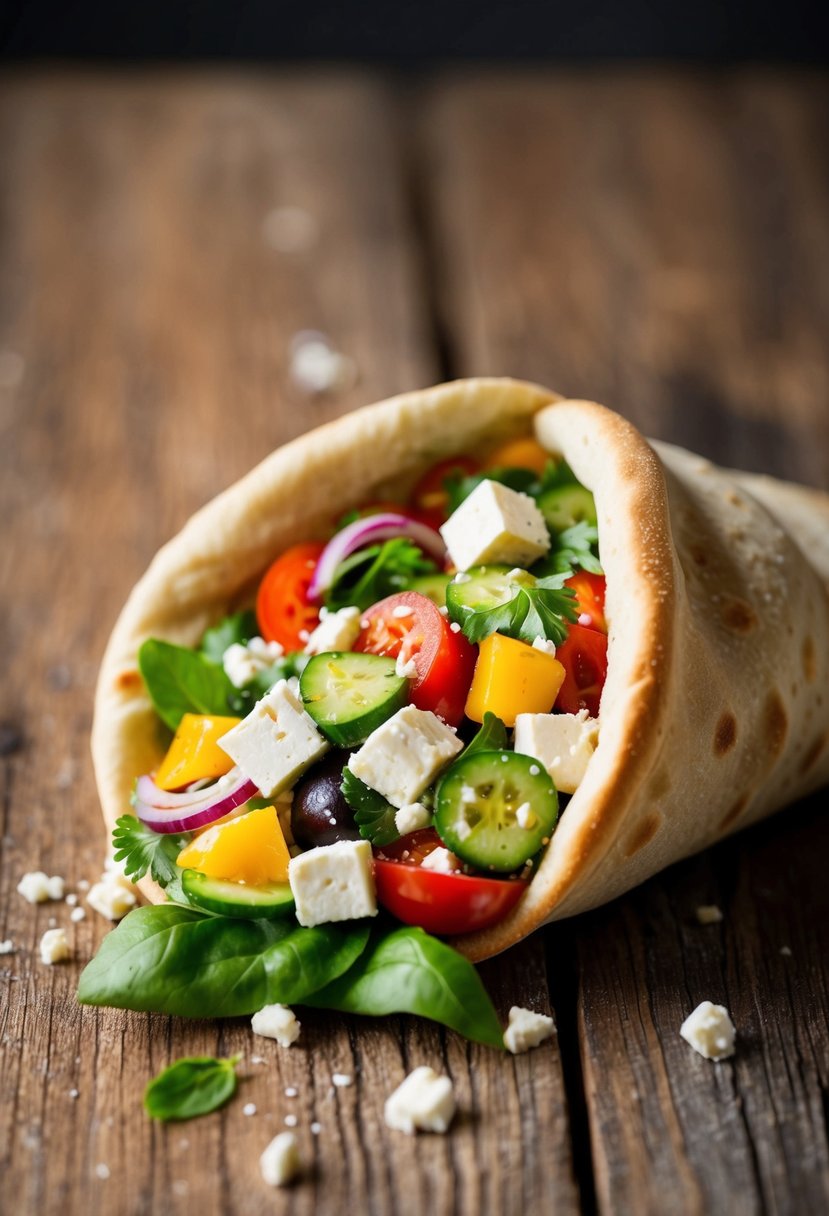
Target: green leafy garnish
(238, 628)
(143, 851)
(182, 681)
(574, 548)
(190, 1087)
(556, 473)
(373, 815)
(492, 737)
(536, 608)
(375, 572)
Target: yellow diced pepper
(194, 753)
(512, 678)
(524, 453)
(249, 848)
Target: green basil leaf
(407, 971)
(142, 850)
(373, 815)
(372, 573)
(492, 737)
(238, 628)
(182, 681)
(170, 959)
(193, 1086)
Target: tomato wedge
(283, 610)
(443, 904)
(590, 591)
(583, 655)
(410, 626)
(430, 498)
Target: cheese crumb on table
(425, 1101)
(527, 1029)
(710, 1031)
(404, 755)
(342, 1080)
(276, 742)
(333, 882)
(37, 887)
(708, 914)
(495, 525)
(249, 1109)
(7, 947)
(276, 1022)
(54, 946)
(280, 1163)
(113, 896)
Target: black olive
(319, 813)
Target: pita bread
(716, 708)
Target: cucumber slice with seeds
(350, 694)
(226, 898)
(433, 586)
(564, 506)
(482, 588)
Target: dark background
(414, 32)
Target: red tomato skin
(283, 610)
(590, 593)
(429, 498)
(443, 904)
(445, 660)
(583, 655)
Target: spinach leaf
(190, 1087)
(182, 681)
(375, 572)
(373, 815)
(492, 737)
(169, 959)
(407, 971)
(240, 627)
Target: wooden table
(657, 242)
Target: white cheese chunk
(424, 1101)
(333, 882)
(527, 1029)
(243, 662)
(281, 1163)
(441, 861)
(276, 1022)
(113, 897)
(37, 887)
(342, 1080)
(336, 631)
(8, 947)
(710, 1031)
(54, 947)
(412, 817)
(403, 756)
(495, 524)
(276, 742)
(708, 914)
(563, 743)
(545, 646)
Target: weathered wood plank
(662, 244)
(145, 328)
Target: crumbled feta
(291, 1091)
(525, 816)
(276, 742)
(102, 1171)
(412, 817)
(38, 887)
(333, 882)
(710, 1031)
(441, 861)
(495, 524)
(342, 1080)
(280, 1163)
(316, 367)
(401, 611)
(404, 755)
(249, 1109)
(77, 914)
(527, 1029)
(425, 1101)
(462, 577)
(71, 899)
(336, 631)
(276, 1022)
(405, 668)
(545, 646)
(54, 947)
(563, 743)
(708, 914)
(315, 1129)
(113, 896)
(243, 662)
(290, 1120)
(8, 947)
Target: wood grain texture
(145, 329)
(662, 244)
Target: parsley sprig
(375, 572)
(575, 548)
(143, 851)
(535, 608)
(373, 814)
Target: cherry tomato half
(583, 655)
(429, 498)
(410, 625)
(589, 589)
(283, 610)
(444, 904)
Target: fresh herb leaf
(238, 628)
(407, 971)
(458, 488)
(170, 959)
(537, 608)
(142, 851)
(373, 815)
(375, 572)
(190, 1087)
(575, 548)
(182, 681)
(492, 737)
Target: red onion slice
(169, 812)
(368, 531)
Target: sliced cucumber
(483, 588)
(433, 586)
(496, 809)
(349, 694)
(564, 506)
(225, 898)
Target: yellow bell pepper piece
(512, 678)
(194, 753)
(249, 848)
(520, 454)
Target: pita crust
(716, 710)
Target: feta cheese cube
(496, 524)
(403, 756)
(527, 1029)
(243, 662)
(54, 947)
(333, 882)
(563, 743)
(336, 631)
(37, 887)
(441, 861)
(276, 742)
(710, 1031)
(8, 947)
(708, 914)
(280, 1163)
(276, 1022)
(424, 1101)
(412, 817)
(113, 896)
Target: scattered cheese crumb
(710, 1031)
(527, 1029)
(54, 947)
(316, 1128)
(71, 899)
(291, 1091)
(441, 861)
(525, 817)
(411, 818)
(277, 1022)
(77, 914)
(74, 1093)
(102, 1171)
(544, 645)
(708, 914)
(280, 1163)
(424, 1101)
(113, 896)
(342, 1080)
(7, 947)
(37, 887)
(401, 611)
(290, 1120)
(249, 1108)
(316, 367)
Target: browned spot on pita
(699, 554)
(776, 723)
(725, 735)
(735, 812)
(813, 754)
(809, 660)
(643, 833)
(125, 681)
(735, 499)
(739, 616)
